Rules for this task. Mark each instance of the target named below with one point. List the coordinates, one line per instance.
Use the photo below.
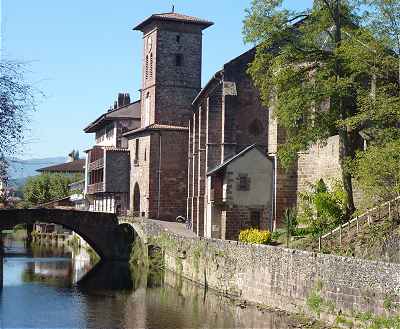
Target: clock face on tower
(149, 44)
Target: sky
(82, 53)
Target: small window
(243, 183)
(179, 60)
(178, 39)
(137, 150)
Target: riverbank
(337, 290)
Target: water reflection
(40, 290)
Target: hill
(20, 170)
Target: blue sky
(83, 52)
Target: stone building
(107, 168)
(208, 154)
(239, 194)
(228, 117)
(172, 55)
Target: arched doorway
(136, 200)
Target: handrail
(366, 215)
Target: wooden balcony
(96, 188)
(97, 164)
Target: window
(137, 150)
(145, 154)
(110, 131)
(178, 60)
(178, 39)
(243, 182)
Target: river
(58, 288)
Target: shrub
(256, 236)
(322, 208)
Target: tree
(384, 19)
(378, 171)
(17, 99)
(318, 71)
(47, 187)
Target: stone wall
(320, 161)
(278, 277)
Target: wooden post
(340, 235)
(357, 224)
(319, 243)
(390, 215)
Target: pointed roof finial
(173, 8)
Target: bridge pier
(29, 230)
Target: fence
(369, 217)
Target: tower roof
(174, 17)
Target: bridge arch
(101, 231)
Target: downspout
(159, 175)
(274, 189)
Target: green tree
(326, 74)
(378, 171)
(384, 20)
(47, 187)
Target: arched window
(147, 110)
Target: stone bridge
(111, 240)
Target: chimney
(127, 99)
(121, 99)
(115, 105)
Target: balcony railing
(96, 188)
(98, 164)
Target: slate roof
(76, 166)
(174, 17)
(156, 127)
(131, 111)
(231, 159)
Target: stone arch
(101, 231)
(136, 199)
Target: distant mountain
(19, 169)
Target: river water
(58, 288)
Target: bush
(256, 236)
(322, 208)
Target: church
(208, 154)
